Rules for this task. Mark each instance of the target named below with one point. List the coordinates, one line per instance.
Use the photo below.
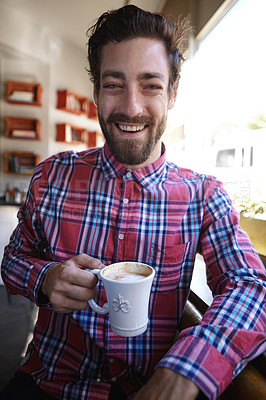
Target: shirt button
(113, 379)
(125, 201)
(129, 174)
(111, 360)
(121, 236)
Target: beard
(133, 151)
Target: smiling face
(133, 99)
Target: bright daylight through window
(221, 106)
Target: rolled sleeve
(202, 363)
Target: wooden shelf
(72, 102)
(93, 114)
(92, 139)
(22, 128)
(9, 203)
(73, 134)
(20, 163)
(26, 93)
(69, 133)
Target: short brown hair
(130, 22)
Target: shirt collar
(147, 176)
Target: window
(225, 158)
(221, 98)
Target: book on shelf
(13, 163)
(27, 169)
(75, 135)
(68, 134)
(84, 136)
(23, 133)
(73, 103)
(72, 134)
(21, 165)
(27, 97)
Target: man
(126, 202)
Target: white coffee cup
(127, 285)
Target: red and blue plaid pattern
(161, 215)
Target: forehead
(135, 56)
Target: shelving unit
(93, 111)
(22, 128)
(73, 134)
(92, 139)
(72, 102)
(19, 162)
(26, 93)
(69, 133)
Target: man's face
(133, 99)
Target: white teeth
(131, 128)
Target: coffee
(124, 276)
(128, 312)
(127, 272)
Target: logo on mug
(119, 303)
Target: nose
(132, 103)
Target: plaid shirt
(161, 215)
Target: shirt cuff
(36, 278)
(202, 363)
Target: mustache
(119, 117)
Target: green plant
(249, 208)
(258, 122)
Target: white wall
(61, 65)
(30, 51)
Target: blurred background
(218, 125)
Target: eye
(154, 87)
(110, 86)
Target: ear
(95, 95)
(172, 100)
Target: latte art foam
(127, 272)
(124, 276)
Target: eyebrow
(140, 77)
(151, 75)
(113, 74)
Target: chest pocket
(170, 274)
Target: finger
(83, 278)
(87, 262)
(81, 293)
(70, 306)
(75, 300)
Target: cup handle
(92, 303)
